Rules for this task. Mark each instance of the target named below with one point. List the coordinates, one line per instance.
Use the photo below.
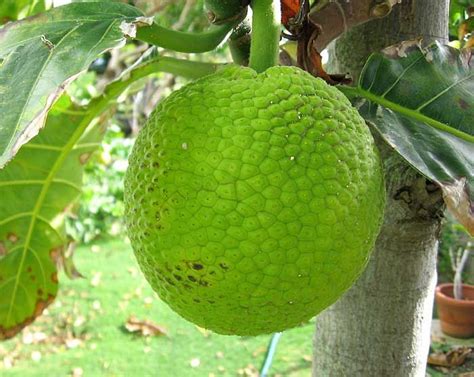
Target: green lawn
(84, 329)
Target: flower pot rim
(439, 293)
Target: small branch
(266, 29)
(337, 16)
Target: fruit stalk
(266, 30)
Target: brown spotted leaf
(37, 188)
(41, 184)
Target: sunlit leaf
(41, 54)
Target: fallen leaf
(259, 351)
(95, 248)
(95, 281)
(73, 343)
(36, 356)
(96, 305)
(195, 362)
(148, 301)
(452, 358)
(204, 332)
(77, 372)
(7, 362)
(249, 371)
(307, 358)
(79, 321)
(145, 327)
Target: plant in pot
(455, 301)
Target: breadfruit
(253, 200)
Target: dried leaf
(73, 343)
(456, 197)
(289, 9)
(259, 351)
(95, 281)
(36, 356)
(452, 358)
(144, 327)
(195, 362)
(204, 332)
(77, 372)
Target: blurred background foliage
(98, 213)
(461, 26)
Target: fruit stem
(266, 28)
(185, 42)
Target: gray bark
(381, 326)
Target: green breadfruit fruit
(253, 200)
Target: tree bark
(381, 326)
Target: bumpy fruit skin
(253, 200)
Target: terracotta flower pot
(456, 316)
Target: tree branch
(337, 16)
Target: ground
(83, 333)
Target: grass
(83, 333)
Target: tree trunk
(381, 326)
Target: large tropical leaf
(36, 189)
(41, 54)
(422, 103)
(41, 183)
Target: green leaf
(422, 103)
(42, 54)
(41, 184)
(37, 188)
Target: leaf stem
(182, 41)
(265, 34)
